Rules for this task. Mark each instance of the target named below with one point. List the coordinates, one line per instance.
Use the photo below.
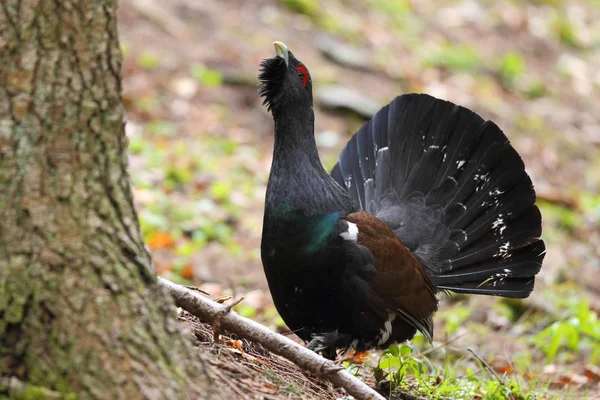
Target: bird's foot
(327, 343)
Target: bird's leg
(328, 343)
(329, 353)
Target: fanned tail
(453, 189)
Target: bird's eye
(302, 74)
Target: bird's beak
(282, 51)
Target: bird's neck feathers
(295, 140)
(297, 177)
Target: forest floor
(200, 152)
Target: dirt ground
(201, 142)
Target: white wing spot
(352, 232)
(386, 332)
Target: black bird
(426, 197)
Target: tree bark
(80, 309)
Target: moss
(33, 392)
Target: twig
(553, 194)
(487, 366)
(196, 289)
(442, 344)
(208, 310)
(155, 12)
(216, 321)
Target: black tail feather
(453, 189)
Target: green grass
(459, 58)
(399, 369)
(149, 61)
(209, 78)
(511, 68)
(306, 7)
(576, 328)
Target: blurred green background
(200, 152)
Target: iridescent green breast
(292, 225)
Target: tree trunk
(80, 310)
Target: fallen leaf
(359, 357)
(502, 367)
(237, 344)
(222, 299)
(592, 372)
(160, 240)
(187, 272)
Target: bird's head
(284, 81)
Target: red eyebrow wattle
(304, 71)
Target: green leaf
(221, 190)
(136, 145)
(149, 61)
(511, 68)
(209, 78)
(379, 374)
(460, 58)
(389, 362)
(405, 350)
(306, 7)
(245, 310)
(393, 350)
(160, 128)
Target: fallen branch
(212, 312)
(555, 195)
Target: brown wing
(401, 281)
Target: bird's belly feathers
(311, 299)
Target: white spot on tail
(460, 163)
(352, 232)
(379, 153)
(504, 251)
(348, 181)
(500, 276)
(499, 224)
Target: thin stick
(487, 366)
(208, 310)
